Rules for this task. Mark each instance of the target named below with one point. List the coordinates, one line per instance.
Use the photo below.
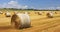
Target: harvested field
(39, 23)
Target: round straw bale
(20, 21)
(7, 14)
(43, 12)
(26, 13)
(39, 13)
(35, 12)
(50, 15)
(1, 12)
(55, 12)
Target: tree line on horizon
(28, 9)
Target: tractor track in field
(44, 21)
(49, 25)
(45, 18)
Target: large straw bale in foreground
(20, 21)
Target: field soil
(39, 23)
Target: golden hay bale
(7, 14)
(1, 12)
(20, 21)
(50, 15)
(25, 12)
(55, 12)
(43, 12)
(39, 13)
(35, 12)
(28, 12)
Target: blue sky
(36, 4)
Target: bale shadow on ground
(5, 27)
(9, 27)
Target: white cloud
(58, 8)
(13, 4)
(25, 7)
(53, 8)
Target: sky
(35, 4)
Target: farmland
(39, 23)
